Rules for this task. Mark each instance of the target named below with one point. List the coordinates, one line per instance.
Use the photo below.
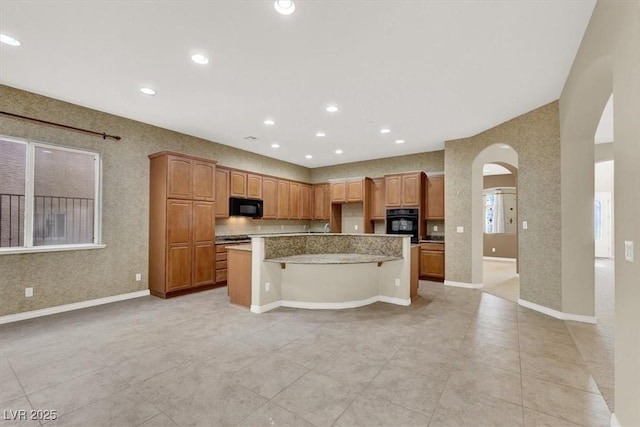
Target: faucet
(327, 227)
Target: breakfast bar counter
(330, 271)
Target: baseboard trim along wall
(70, 307)
(463, 284)
(329, 305)
(557, 314)
(493, 258)
(614, 421)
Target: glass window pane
(64, 197)
(12, 184)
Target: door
(602, 225)
(203, 244)
(178, 244)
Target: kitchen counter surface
(239, 248)
(432, 241)
(333, 259)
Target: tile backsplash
(240, 225)
(435, 223)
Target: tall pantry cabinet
(181, 224)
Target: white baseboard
(557, 314)
(614, 421)
(493, 258)
(329, 305)
(463, 284)
(70, 307)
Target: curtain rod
(102, 134)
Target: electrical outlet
(525, 225)
(356, 227)
(628, 250)
(397, 282)
(267, 287)
(435, 228)
(28, 292)
(460, 229)
(493, 249)
(138, 277)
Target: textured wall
(432, 161)
(67, 277)
(535, 136)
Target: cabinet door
(338, 192)
(203, 244)
(355, 191)
(254, 186)
(179, 221)
(294, 200)
(270, 198)
(204, 176)
(411, 189)
(392, 189)
(318, 201)
(435, 197)
(283, 199)
(222, 193)
(432, 264)
(378, 207)
(327, 202)
(179, 178)
(237, 184)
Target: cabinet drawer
(432, 247)
(221, 276)
(221, 248)
(221, 265)
(221, 256)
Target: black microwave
(245, 207)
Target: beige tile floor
(456, 357)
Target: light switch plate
(459, 229)
(525, 225)
(628, 250)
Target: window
(49, 197)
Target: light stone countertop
(239, 248)
(333, 259)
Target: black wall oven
(403, 221)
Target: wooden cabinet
(435, 197)
(321, 202)
(305, 201)
(270, 198)
(294, 200)
(239, 276)
(222, 193)
(405, 190)
(378, 201)
(245, 185)
(432, 261)
(347, 191)
(283, 199)
(181, 224)
(222, 262)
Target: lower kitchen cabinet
(239, 277)
(432, 261)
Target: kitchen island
(330, 271)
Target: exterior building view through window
(48, 195)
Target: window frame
(29, 212)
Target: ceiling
(430, 71)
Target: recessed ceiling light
(338, 151)
(199, 59)
(320, 134)
(7, 39)
(284, 7)
(399, 141)
(269, 122)
(147, 91)
(332, 108)
(385, 130)
(274, 145)
(308, 156)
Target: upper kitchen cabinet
(294, 200)
(321, 202)
(305, 201)
(378, 200)
(245, 185)
(188, 177)
(222, 193)
(348, 190)
(405, 190)
(435, 197)
(270, 197)
(283, 199)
